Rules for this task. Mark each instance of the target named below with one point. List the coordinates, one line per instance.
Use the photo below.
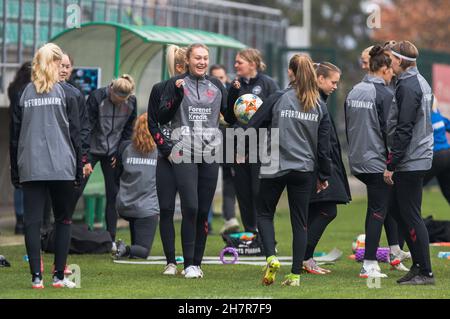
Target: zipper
(112, 128)
(198, 94)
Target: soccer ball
(359, 242)
(245, 106)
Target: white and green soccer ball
(245, 106)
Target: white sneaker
(200, 271)
(37, 283)
(371, 271)
(114, 248)
(192, 272)
(65, 283)
(230, 226)
(400, 267)
(170, 270)
(395, 259)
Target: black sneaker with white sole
(421, 280)
(414, 271)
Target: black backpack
(438, 230)
(82, 241)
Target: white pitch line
(246, 258)
(204, 262)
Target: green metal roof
(137, 50)
(164, 35)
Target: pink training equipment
(229, 250)
(382, 254)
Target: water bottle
(444, 254)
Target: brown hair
(70, 58)
(407, 49)
(253, 55)
(194, 46)
(305, 82)
(175, 55)
(378, 58)
(325, 68)
(124, 85)
(142, 139)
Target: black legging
(299, 190)
(393, 235)
(111, 187)
(167, 190)
(377, 206)
(142, 232)
(228, 193)
(319, 216)
(35, 196)
(196, 185)
(405, 206)
(246, 183)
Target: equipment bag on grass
(438, 230)
(247, 244)
(82, 241)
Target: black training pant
(167, 191)
(299, 188)
(111, 178)
(392, 232)
(142, 232)
(405, 206)
(246, 183)
(441, 170)
(228, 193)
(196, 184)
(377, 204)
(35, 197)
(319, 216)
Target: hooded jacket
(110, 124)
(411, 143)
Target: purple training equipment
(382, 254)
(229, 250)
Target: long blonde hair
(175, 55)
(44, 69)
(142, 139)
(305, 82)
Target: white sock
(368, 263)
(395, 249)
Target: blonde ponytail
(45, 70)
(305, 82)
(175, 55)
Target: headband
(398, 55)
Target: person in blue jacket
(441, 152)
